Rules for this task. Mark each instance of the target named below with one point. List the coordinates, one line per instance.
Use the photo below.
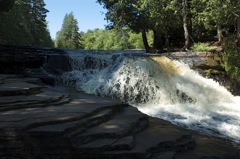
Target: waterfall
(159, 87)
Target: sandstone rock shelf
(59, 123)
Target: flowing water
(159, 87)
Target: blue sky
(87, 12)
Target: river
(159, 87)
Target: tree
(163, 19)
(69, 36)
(38, 24)
(185, 24)
(175, 21)
(111, 39)
(141, 16)
(25, 24)
(135, 41)
(126, 13)
(215, 16)
(94, 39)
(6, 5)
(234, 9)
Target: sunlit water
(161, 88)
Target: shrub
(231, 57)
(202, 47)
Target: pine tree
(68, 36)
(38, 24)
(25, 24)
(6, 5)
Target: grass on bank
(202, 47)
(230, 56)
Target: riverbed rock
(39, 121)
(208, 64)
(27, 59)
(58, 122)
(202, 61)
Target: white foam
(161, 88)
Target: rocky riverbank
(41, 121)
(210, 65)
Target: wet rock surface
(33, 61)
(45, 63)
(208, 64)
(38, 121)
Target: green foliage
(231, 57)
(112, 39)
(38, 24)
(205, 19)
(25, 24)
(105, 39)
(6, 5)
(135, 40)
(202, 46)
(68, 36)
(93, 39)
(142, 16)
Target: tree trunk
(238, 26)
(219, 33)
(185, 24)
(145, 42)
(190, 27)
(238, 30)
(157, 41)
(189, 20)
(166, 40)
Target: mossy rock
(213, 72)
(217, 57)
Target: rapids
(159, 87)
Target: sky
(89, 14)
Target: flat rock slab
(121, 127)
(14, 87)
(58, 122)
(43, 97)
(49, 115)
(125, 121)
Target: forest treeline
(133, 24)
(23, 22)
(176, 21)
(103, 39)
(111, 39)
(155, 25)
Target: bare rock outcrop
(42, 122)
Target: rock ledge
(42, 122)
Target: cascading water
(159, 87)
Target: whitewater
(159, 87)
